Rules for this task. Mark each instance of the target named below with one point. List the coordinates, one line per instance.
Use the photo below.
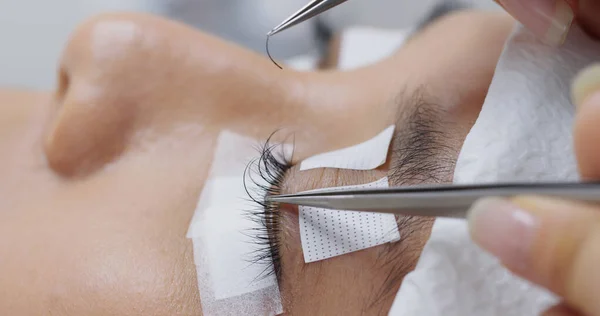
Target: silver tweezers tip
(273, 199)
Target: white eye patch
(329, 233)
(224, 237)
(364, 156)
(223, 229)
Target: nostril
(63, 84)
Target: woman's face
(101, 176)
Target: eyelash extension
(323, 35)
(270, 168)
(269, 53)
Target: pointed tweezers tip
(275, 198)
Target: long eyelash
(269, 53)
(270, 168)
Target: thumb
(586, 95)
(553, 243)
(550, 20)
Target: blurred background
(33, 32)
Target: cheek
(81, 264)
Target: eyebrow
(421, 154)
(420, 149)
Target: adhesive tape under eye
(329, 233)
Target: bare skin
(102, 175)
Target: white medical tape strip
(364, 156)
(329, 233)
(221, 232)
(263, 301)
(224, 228)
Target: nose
(94, 111)
(102, 89)
(122, 73)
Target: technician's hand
(554, 243)
(551, 19)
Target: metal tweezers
(434, 200)
(312, 9)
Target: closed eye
(267, 174)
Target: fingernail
(586, 86)
(549, 19)
(503, 229)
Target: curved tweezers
(312, 9)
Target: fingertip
(550, 20)
(585, 94)
(561, 243)
(585, 84)
(503, 229)
(587, 137)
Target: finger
(588, 14)
(553, 243)
(586, 96)
(560, 310)
(548, 19)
